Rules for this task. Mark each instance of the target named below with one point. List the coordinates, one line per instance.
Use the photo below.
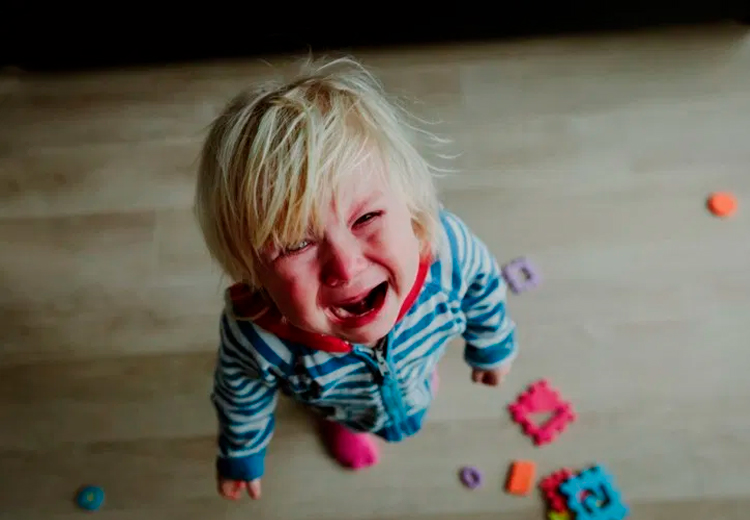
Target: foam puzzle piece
(550, 488)
(521, 275)
(592, 495)
(521, 477)
(90, 498)
(471, 477)
(558, 515)
(540, 397)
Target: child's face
(352, 281)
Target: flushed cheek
(395, 253)
(296, 299)
(403, 263)
(304, 296)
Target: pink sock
(351, 450)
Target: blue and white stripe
(463, 295)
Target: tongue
(357, 307)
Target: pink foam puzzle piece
(541, 397)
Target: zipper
(381, 360)
(388, 385)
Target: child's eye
(367, 217)
(296, 248)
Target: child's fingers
(253, 489)
(500, 376)
(485, 377)
(490, 378)
(231, 488)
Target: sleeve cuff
(242, 468)
(492, 357)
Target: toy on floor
(521, 477)
(471, 477)
(722, 204)
(557, 503)
(540, 397)
(521, 275)
(90, 498)
(592, 495)
(550, 489)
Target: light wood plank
(591, 154)
(89, 322)
(97, 178)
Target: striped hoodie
(386, 390)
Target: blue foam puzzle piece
(607, 504)
(90, 498)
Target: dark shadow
(76, 45)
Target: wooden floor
(592, 155)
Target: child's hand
(232, 489)
(490, 377)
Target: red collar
(247, 305)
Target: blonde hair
(275, 155)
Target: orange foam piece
(722, 204)
(521, 477)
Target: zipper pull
(382, 364)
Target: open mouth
(371, 302)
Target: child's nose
(344, 263)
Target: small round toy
(471, 477)
(722, 204)
(90, 498)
